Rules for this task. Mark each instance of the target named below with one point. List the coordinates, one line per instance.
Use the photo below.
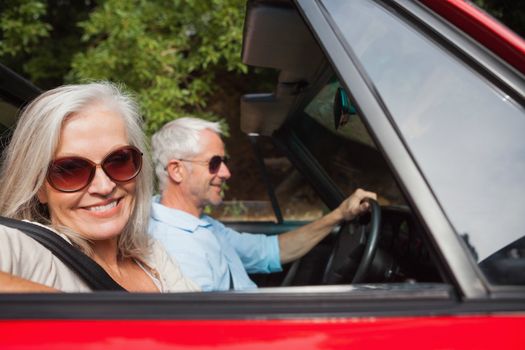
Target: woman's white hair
(32, 148)
(178, 139)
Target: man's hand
(296, 243)
(354, 205)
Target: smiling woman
(74, 164)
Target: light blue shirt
(208, 252)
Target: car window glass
(465, 134)
(8, 115)
(350, 158)
(347, 153)
(296, 199)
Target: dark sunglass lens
(70, 174)
(215, 164)
(123, 164)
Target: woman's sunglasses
(71, 174)
(214, 164)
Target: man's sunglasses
(214, 164)
(71, 174)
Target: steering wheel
(354, 249)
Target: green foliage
(21, 26)
(171, 53)
(38, 38)
(168, 52)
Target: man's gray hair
(178, 139)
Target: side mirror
(343, 108)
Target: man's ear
(42, 195)
(175, 171)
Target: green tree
(21, 26)
(168, 52)
(172, 53)
(38, 38)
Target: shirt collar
(175, 217)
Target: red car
(422, 102)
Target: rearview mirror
(343, 108)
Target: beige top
(22, 256)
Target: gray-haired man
(191, 167)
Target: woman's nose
(101, 183)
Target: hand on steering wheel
(354, 249)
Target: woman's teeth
(104, 207)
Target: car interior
(15, 91)
(311, 119)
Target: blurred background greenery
(179, 57)
(176, 55)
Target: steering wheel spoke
(354, 249)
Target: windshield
(465, 134)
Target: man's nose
(224, 171)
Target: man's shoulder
(162, 217)
(215, 224)
(220, 230)
(210, 220)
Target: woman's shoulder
(24, 257)
(16, 242)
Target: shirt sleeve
(259, 253)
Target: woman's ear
(175, 171)
(42, 195)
